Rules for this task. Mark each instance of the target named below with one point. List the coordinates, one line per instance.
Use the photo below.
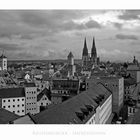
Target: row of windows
(13, 106)
(30, 103)
(18, 111)
(44, 98)
(31, 97)
(46, 104)
(13, 100)
(31, 109)
(33, 92)
(112, 85)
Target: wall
(105, 110)
(138, 76)
(15, 105)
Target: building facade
(31, 98)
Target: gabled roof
(12, 92)
(44, 92)
(7, 116)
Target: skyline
(52, 34)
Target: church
(89, 59)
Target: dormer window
(80, 115)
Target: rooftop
(129, 81)
(27, 119)
(76, 110)
(7, 116)
(30, 85)
(12, 92)
(133, 67)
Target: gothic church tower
(85, 57)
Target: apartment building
(13, 100)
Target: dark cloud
(126, 37)
(57, 20)
(118, 25)
(9, 47)
(130, 15)
(6, 35)
(93, 24)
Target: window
(3, 106)
(13, 105)
(13, 100)
(23, 104)
(22, 99)
(22, 110)
(41, 103)
(9, 106)
(18, 111)
(8, 100)
(13, 111)
(4, 101)
(17, 99)
(17, 105)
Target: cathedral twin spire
(93, 49)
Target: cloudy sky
(51, 34)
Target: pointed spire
(93, 49)
(85, 50)
(70, 55)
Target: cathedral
(89, 59)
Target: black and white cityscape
(69, 67)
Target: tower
(93, 52)
(3, 62)
(71, 66)
(85, 57)
(70, 58)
